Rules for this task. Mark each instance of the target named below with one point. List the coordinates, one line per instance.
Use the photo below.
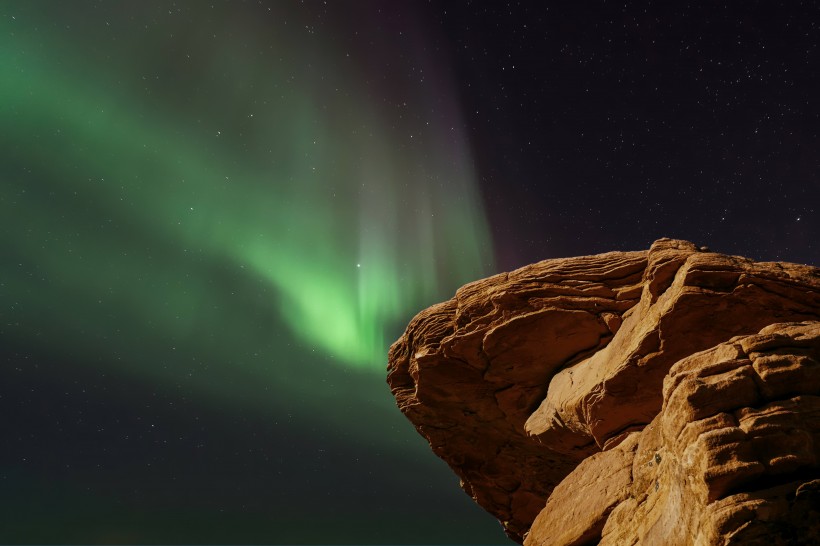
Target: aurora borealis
(278, 164)
(216, 216)
(224, 208)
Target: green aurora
(233, 208)
(122, 187)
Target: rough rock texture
(669, 396)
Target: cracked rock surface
(668, 396)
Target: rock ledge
(668, 396)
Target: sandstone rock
(669, 396)
(737, 438)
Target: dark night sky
(216, 216)
(606, 128)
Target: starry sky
(216, 216)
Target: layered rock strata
(668, 396)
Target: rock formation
(668, 396)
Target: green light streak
(122, 202)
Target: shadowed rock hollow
(668, 396)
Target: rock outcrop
(668, 396)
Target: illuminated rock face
(668, 396)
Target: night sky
(216, 216)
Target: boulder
(666, 396)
